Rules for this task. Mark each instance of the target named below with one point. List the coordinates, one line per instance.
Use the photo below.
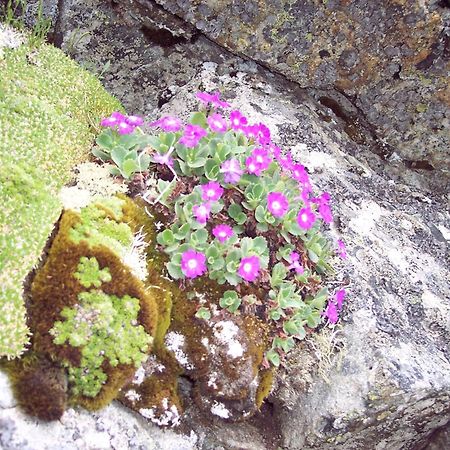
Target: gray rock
(361, 41)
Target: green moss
(99, 335)
(49, 108)
(89, 273)
(39, 386)
(264, 387)
(104, 326)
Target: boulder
(388, 58)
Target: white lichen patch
(226, 333)
(314, 160)
(220, 410)
(91, 181)
(133, 396)
(170, 416)
(175, 342)
(366, 217)
(135, 258)
(9, 38)
(212, 380)
(139, 376)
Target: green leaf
(232, 279)
(263, 227)
(198, 162)
(230, 301)
(199, 118)
(118, 155)
(260, 245)
(291, 327)
(273, 357)
(286, 344)
(129, 167)
(319, 299)
(104, 156)
(313, 256)
(260, 214)
(279, 273)
(258, 191)
(106, 140)
(182, 232)
(200, 236)
(174, 271)
(218, 264)
(203, 313)
(143, 161)
(276, 314)
(234, 210)
(166, 237)
(212, 251)
(211, 170)
(241, 219)
(114, 171)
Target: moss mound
(93, 321)
(49, 107)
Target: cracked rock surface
(391, 58)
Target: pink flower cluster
(334, 306)
(123, 124)
(192, 135)
(169, 124)
(258, 161)
(214, 99)
(295, 263)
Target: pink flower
(211, 191)
(252, 166)
(262, 157)
(299, 173)
(193, 264)
(202, 212)
(342, 249)
(249, 268)
(325, 212)
(324, 207)
(331, 312)
(251, 131)
(238, 121)
(168, 124)
(295, 264)
(222, 232)
(232, 171)
(277, 204)
(214, 99)
(306, 218)
(134, 121)
(217, 123)
(286, 162)
(192, 135)
(263, 134)
(124, 127)
(114, 119)
(165, 159)
(339, 297)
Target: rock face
(389, 58)
(381, 378)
